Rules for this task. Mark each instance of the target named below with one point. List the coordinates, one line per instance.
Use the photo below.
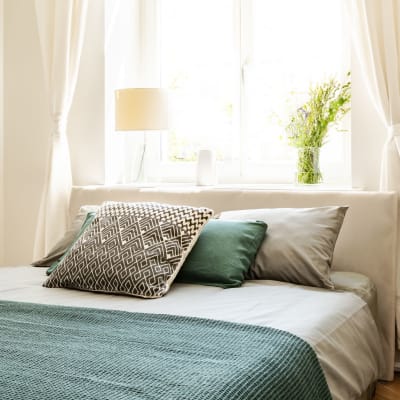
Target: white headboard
(367, 242)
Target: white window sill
(236, 186)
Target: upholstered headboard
(367, 242)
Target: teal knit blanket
(71, 353)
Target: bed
(351, 331)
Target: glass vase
(308, 172)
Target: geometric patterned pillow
(131, 248)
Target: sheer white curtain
(132, 56)
(377, 42)
(61, 25)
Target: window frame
(239, 171)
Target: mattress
(337, 324)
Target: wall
(27, 123)
(25, 128)
(1, 140)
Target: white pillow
(298, 245)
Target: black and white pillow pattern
(131, 248)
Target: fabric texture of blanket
(56, 352)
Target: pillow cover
(223, 253)
(299, 244)
(89, 218)
(131, 248)
(359, 284)
(63, 244)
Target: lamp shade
(141, 109)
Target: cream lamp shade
(141, 109)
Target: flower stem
(308, 171)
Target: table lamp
(141, 109)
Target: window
(235, 70)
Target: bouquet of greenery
(327, 104)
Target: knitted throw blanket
(70, 353)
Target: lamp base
(134, 157)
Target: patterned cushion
(131, 248)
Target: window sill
(238, 186)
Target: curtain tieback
(59, 126)
(394, 130)
(394, 133)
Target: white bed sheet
(339, 326)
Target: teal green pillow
(88, 220)
(223, 253)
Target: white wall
(25, 128)
(27, 125)
(1, 140)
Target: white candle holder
(206, 172)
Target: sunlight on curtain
(377, 43)
(61, 25)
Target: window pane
(236, 70)
(198, 68)
(291, 45)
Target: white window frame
(240, 172)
